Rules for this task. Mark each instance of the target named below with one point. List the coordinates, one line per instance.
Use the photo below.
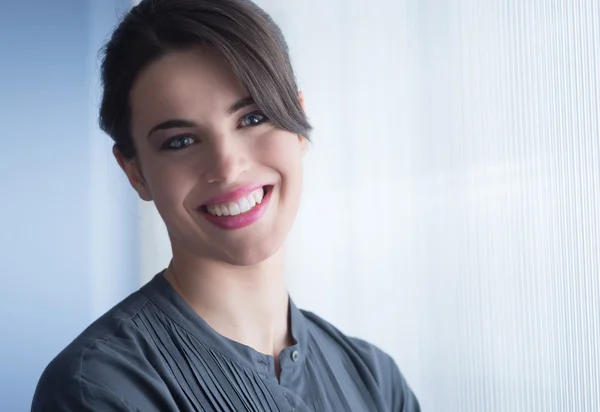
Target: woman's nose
(227, 161)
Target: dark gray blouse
(152, 352)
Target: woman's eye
(178, 143)
(253, 119)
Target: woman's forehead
(184, 72)
(185, 81)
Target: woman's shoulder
(369, 359)
(88, 373)
(323, 330)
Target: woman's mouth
(240, 212)
(239, 206)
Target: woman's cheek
(171, 186)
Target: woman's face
(206, 155)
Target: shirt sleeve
(76, 397)
(403, 398)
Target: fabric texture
(152, 352)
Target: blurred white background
(450, 210)
(452, 193)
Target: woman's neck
(249, 305)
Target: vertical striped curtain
(452, 193)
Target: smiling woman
(201, 101)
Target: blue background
(68, 222)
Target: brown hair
(244, 34)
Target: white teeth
(234, 209)
(258, 196)
(244, 205)
(240, 206)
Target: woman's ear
(303, 141)
(301, 100)
(134, 174)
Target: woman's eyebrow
(182, 123)
(172, 124)
(240, 104)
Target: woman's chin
(248, 255)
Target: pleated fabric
(152, 352)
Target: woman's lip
(232, 195)
(242, 220)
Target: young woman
(201, 102)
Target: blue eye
(178, 143)
(253, 119)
